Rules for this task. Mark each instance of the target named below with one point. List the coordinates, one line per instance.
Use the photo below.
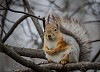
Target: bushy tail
(76, 30)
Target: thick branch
(40, 54)
(73, 66)
(21, 60)
(13, 28)
(28, 52)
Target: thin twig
(95, 41)
(91, 21)
(20, 12)
(3, 30)
(53, 2)
(4, 17)
(7, 19)
(98, 53)
(3, 22)
(80, 7)
(44, 23)
(96, 56)
(7, 3)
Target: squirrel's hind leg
(65, 59)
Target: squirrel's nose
(49, 36)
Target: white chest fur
(52, 44)
(57, 57)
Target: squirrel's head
(52, 32)
(52, 28)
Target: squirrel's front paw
(50, 52)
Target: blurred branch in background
(39, 29)
(6, 18)
(13, 28)
(98, 53)
(91, 21)
(35, 21)
(53, 2)
(20, 12)
(88, 3)
(3, 29)
(96, 56)
(3, 22)
(4, 14)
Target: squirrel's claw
(63, 61)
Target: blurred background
(26, 35)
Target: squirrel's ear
(56, 17)
(48, 19)
(52, 18)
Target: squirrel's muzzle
(49, 36)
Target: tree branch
(96, 56)
(3, 29)
(95, 41)
(98, 53)
(91, 21)
(53, 2)
(3, 22)
(73, 66)
(7, 19)
(4, 8)
(35, 53)
(82, 66)
(35, 21)
(13, 28)
(21, 60)
(80, 7)
(28, 52)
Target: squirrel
(54, 45)
(62, 40)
